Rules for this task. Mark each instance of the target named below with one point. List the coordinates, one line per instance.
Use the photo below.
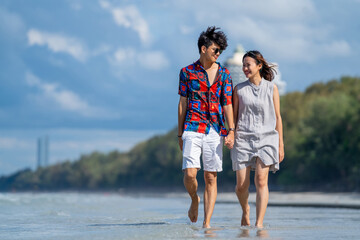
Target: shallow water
(116, 216)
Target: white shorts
(210, 145)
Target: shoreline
(293, 199)
(350, 200)
(303, 199)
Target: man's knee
(190, 174)
(210, 178)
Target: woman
(259, 142)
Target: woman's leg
(242, 192)
(262, 191)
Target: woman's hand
(281, 153)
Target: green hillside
(322, 151)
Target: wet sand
(113, 215)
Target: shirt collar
(199, 66)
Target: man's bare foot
(245, 219)
(193, 210)
(206, 225)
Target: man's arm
(229, 115)
(228, 109)
(181, 118)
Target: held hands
(229, 140)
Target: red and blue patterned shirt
(205, 102)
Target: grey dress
(255, 134)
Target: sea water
(119, 216)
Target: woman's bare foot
(206, 225)
(245, 219)
(193, 210)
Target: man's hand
(180, 143)
(229, 140)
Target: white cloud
(76, 6)
(58, 43)
(288, 30)
(65, 99)
(125, 55)
(269, 37)
(82, 141)
(184, 29)
(278, 80)
(279, 9)
(289, 41)
(102, 49)
(152, 60)
(337, 48)
(129, 17)
(13, 143)
(10, 23)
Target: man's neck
(207, 64)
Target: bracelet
(231, 129)
(179, 136)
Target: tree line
(322, 152)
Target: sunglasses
(217, 50)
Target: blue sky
(103, 75)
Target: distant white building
(234, 65)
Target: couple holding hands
(252, 114)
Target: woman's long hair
(268, 70)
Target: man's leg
(242, 192)
(212, 161)
(209, 196)
(192, 143)
(191, 186)
(262, 191)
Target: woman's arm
(279, 126)
(235, 100)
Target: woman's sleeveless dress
(255, 134)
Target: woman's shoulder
(269, 84)
(241, 85)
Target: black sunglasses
(218, 50)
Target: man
(205, 91)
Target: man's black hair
(210, 36)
